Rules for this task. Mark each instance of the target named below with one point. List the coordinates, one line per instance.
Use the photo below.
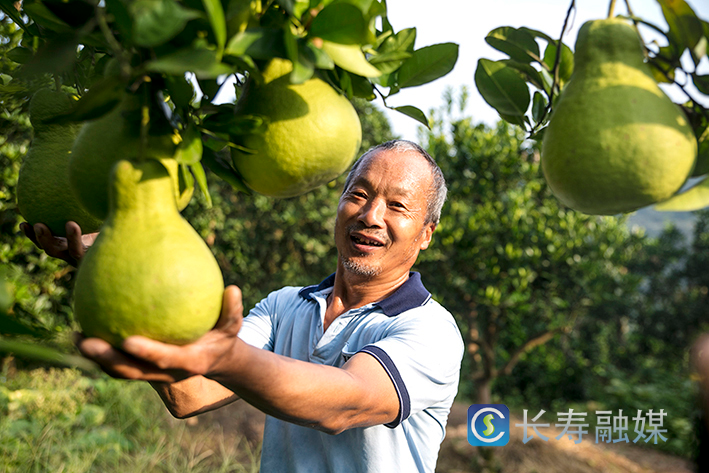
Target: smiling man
(357, 373)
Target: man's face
(380, 218)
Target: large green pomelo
(615, 141)
(311, 133)
(148, 273)
(43, 192)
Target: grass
(58, 420)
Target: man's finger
(232, 309)
(162, 355)
(75, 245)
(120, 365)
(29, 232)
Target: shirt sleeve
(421, 353)
(257, 328)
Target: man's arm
(193, 396)
(323, 397)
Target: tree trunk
(483, 391)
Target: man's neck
(351, 291)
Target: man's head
(438, 190)
(388, 210)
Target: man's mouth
(365, 241)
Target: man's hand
(145, 359)
(70, 249)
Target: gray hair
(437, 194)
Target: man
(357, 373)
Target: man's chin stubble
(361, 269)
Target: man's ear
(426, 235)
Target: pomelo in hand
(149, 272)
(311, 133)
(615, 142)
(115, 136)
(43, 192)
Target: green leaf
(185, 180)
(203, 62)
(189, 151)
(304, 66)
(415, 113)
(121, 17)
(685, 28)
(390, 61)
(45, 18)
(157, 21)
(502, 87)
(20, 55)
(346, 84)
(539, 105)
(44, 354)
(566, 61)
(180, 89)
(350, 58)
(224, 171)
(428, 64)
(361, 87)
(518, 44)
(320, 57)
(514, 119)
(8, 7)
(363, 5)
(215, 13)
(201, 178)
(531, 74)
(701, 82)
(75, 13)
(694, 198)
(402, 41)
(259, 43)
(291, 44)
(662, 66)
(340, 23)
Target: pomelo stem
(611, 7)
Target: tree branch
(534, 342)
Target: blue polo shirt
(416, 341)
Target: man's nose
(372, 214)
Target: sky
(467, 22)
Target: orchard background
(559, 309)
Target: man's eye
(397, 205)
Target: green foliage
(60, 420)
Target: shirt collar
(409, 295)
